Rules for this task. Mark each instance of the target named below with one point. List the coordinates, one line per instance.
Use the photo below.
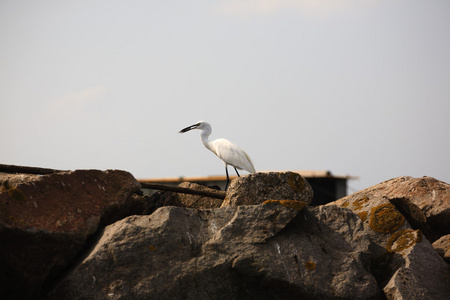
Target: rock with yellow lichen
(263, 242)
(425, 202)
(295, 204)
(403, 260)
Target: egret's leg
(237, 172)
(228, 178)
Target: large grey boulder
(259, 187)
(45, 221)
(266, 251)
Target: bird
(228, 152)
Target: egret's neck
(205, 138)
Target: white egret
(228, 152)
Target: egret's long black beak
(188, 128)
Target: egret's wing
(233, 155)
(250, 166)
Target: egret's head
(200, 125)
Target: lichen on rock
(358, 204)
(385, 218)
(296, 182)
(14, 193)
(310, 265)
(298, 205)
(362, 215)
(345, 204)
(403, 239)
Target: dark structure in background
(327, 187)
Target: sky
(359, 88)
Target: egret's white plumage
(229, 153)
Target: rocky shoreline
(90, 234)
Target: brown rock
(46, 219)
(166, 198)
(259, 187)
(425, 202)
(194, 201)
(442, 246)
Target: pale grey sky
(355, 87)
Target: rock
(45, 221)
(265, 242)
(423, 274)
(442, 246)
(266, 251)
(259, 187)
(194, 201)
(187, 200)
(425, 202)
(403, 260)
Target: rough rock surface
(186, 200)
(403, 260)
(46, 219)
(265, 251)
(424, 201)
(264, 243)
(442, 247)
(259, 187)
